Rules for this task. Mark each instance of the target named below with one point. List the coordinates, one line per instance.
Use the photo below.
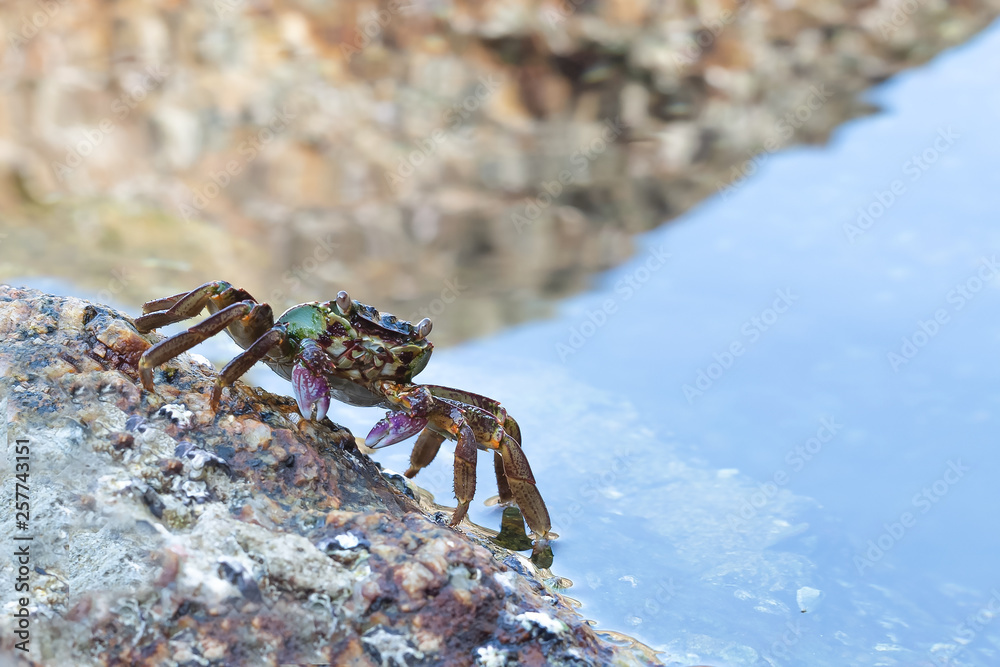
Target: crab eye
(424, 327)
(343, 302)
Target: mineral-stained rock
(166, 534)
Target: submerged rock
(166, 534)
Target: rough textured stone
(165, 534)
(388, 147)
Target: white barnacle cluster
(491, 656)
(391, 648)
(178, 414)
(347, 541)
(506, 580)
(531, 620)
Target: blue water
(884, 489)
(811, 469)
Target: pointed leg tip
(216, 397)
(459, 514)
(540, 529)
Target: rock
(166, 534)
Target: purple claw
(312, 392)
(395, 427)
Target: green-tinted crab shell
(304, 322)
(326, 324)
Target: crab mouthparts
(312, 392)
(396, 426)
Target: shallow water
(699, 522)
(809, 470)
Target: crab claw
(312, 392)
(396, 426)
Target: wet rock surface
(165, 534)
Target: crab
(347, 350)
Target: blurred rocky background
(471, 161)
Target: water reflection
(837, 448)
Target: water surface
(812, 469)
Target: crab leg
(424, 451)
(522, 485)
(164, 303)
(469, 430)
(506, 496)
(514, 478)
(242, 363)
(185, 340)
(483, 402)
(474, 424)
(246, 313)
(185, 306)
(465, 472)
(493, 407)
(428, 444)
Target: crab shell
(344, 355)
